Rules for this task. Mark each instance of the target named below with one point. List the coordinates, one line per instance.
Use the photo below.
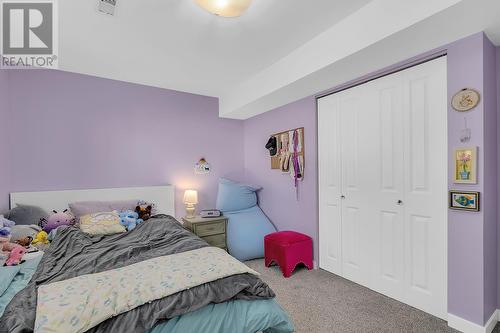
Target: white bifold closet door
(383, 185)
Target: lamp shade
(191, 197)
(226, 8)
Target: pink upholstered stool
(288, 249)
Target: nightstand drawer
(216, 240)
(210, 229)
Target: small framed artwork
(465, 100)
(461, 200)
(466, 165)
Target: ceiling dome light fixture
(226, 8)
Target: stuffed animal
(130, 219)
(56, 220)
(5, 226)
(16, 256)
(144, 211)
(8, 246)
(25, 242)
(41, 238)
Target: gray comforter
(74, 253)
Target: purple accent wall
(465, 229)
(278, 197)
(470, 246)
(490, 171)
(4, 140)
(76, 131)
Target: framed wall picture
(465, 165)
(461, 200)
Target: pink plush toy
(16, 255)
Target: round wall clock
(465, 100)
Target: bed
(128, 281)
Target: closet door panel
(330, 185)
(388, 240)
(358, 178)
(425, 205)
(349, 104)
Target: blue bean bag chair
(247, 224)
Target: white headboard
(162, 196)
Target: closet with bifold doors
(382, 159)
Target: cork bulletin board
(275, 160)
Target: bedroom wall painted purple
(76, 131)
(490, 201)
(466, 231)
(4, 140)
(278, 196)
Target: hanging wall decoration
(461, 200)
(466, 165)
(465, 100)
(202, 167)
(287, 153)
(465, 133)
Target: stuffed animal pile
(130, 219)
(10, 253)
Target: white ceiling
(177, 45)
(278, 52)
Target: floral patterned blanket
(80, 303)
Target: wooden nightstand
(211, 229)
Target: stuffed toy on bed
(5, 226)
(56, 220)
(15, 256)
(144, 211)
(41, 238)
(130, 219)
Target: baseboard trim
(469, 327)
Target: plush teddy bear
(25, 242)
(130, 219)
(56, 220)
(144, 211)
(5, 226)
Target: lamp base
(190, 211)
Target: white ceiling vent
(107, 6)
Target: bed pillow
(104, 223)
(233, 196)
(26, 215)
(82, 208)
(23, 231)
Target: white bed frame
(162, 196)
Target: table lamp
(190, 199)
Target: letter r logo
(27, 28)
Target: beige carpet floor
(318, 301)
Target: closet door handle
(399, 202)
(342, 197)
